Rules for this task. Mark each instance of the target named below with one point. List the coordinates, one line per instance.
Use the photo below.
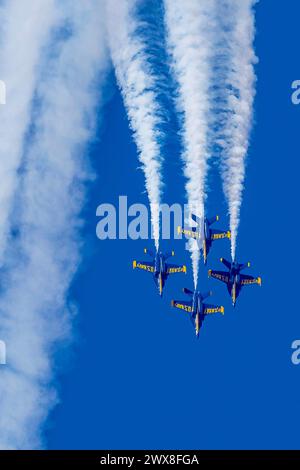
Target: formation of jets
(195, 306)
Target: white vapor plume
(139, 86)
(43, 257)
(238, 62)
(189, 28)
(24, 30)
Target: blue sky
(136, 377)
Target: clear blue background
(136, 377)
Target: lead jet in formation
(205, 236)
(196, 307)
(233, 278)
(159, 268)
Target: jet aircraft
(233, 278)
(196, 307)
(205, 236)
(159, 267)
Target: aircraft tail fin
(169, 254)
(244, 266)
(206, 294)
(225, 262)
(149, 252)
(187, 291)
(212, 220)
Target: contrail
(24, 30)
(45, 251)
(237, 60)
(139, 85)
(189, 30)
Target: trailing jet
(206, 235)
(197, 308)
(233, 278)
(159, 268)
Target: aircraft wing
(249, 280)
(219, 234)
(209, 309)
(174, 268)
(186, 306)
(144, 265)
(220, 275)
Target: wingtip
(222, 310)
(259, 281)
(134, 264)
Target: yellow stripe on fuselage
(204, 250)
(197, 325)
(234, 292)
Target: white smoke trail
(239, 58)
(189, 27)
(24, 30)
(34, 307)
(139, 86)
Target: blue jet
(204, 236)
(196, 307)
(159, 268)
(233, 278)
